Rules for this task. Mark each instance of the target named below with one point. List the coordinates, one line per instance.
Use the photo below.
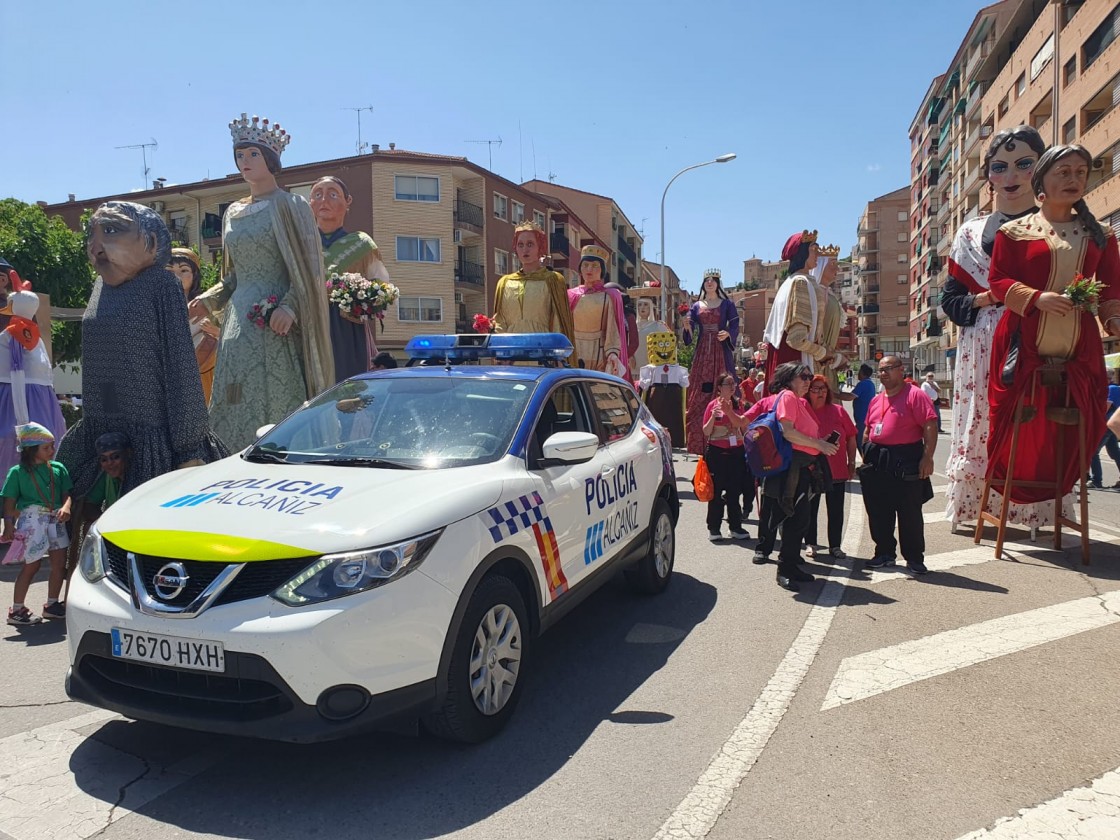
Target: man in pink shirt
(900, 437)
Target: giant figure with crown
(275, 349)
(794, 329)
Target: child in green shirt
(38, 490)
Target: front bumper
(294, 674)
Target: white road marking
(39, 791)
(1079, 814)
(701, 808)
(879, 671)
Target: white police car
(389, 550)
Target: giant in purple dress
(714, 321)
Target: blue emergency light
(509, 347)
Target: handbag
(702, 482)
(1010, 361)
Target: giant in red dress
(1032, 255)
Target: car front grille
(198, 694)
(258, 578)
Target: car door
(570, 493)
(636, 452)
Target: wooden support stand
(1051, 376)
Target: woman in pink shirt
(832, 419)
(723, 430)
(786, 496)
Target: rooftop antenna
(143, 147)
(490, 148)
(551, 174)
(360, 146)
(642, 229)
(533, 143)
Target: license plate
(173, 651)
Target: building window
(902, 300)
(902, 236)
(903, 279)
(902, 215)
(416, 188)
(1101, 38)
(417, 249)
(1069, 71)
(1003, 106)
(501, 207)
(1069, 130)
(413, 308)
(1021, 85)
(902, 321)
(501, 261)
(518, 212)
(538, 219)
(902, 258)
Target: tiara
(829, 251)
(527, 224)
(712, 272)
(259, 133)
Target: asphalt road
(871, 705)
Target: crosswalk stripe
(886, 669)
(702, 806)
(1083, 812)
(40, 794)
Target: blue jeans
(1112, 447)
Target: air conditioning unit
(460, 298)
(158, 206)
(457, 236)
(614, 222)
(1098, 164)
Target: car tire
(655, 569)
(492, 637)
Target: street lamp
(664, 291)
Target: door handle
(606, 471)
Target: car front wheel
(487, 665)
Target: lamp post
(664, 291)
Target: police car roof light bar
(512, 347)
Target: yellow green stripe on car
(193, 545)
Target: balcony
(977, 58)
(871, 289)
(179, 234)
(870, 268)
(971, 179)
(558, 245)
(470, 272)
(868, 309)
(627, 251)
(468, 216)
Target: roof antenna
(490, 148)
(143, 147)
(360, 146)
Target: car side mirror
(569, 448)
(264, 430)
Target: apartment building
(882, 277)
(444, 226)
(1053, 65)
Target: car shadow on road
(402, 787)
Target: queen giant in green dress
(271, 252)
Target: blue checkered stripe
(593, 543)
(516, 515)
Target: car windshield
(411, 422)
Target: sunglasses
(805, 377)
(818, 389)
(109, 458)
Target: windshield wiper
(267, 456)
(361, 462)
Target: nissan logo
(170, 581)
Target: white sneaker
(715, 536)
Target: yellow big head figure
(662, 348)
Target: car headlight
(91, 559)
(336, 575)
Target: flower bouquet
(483, 323)
(682, 309)
(360, 297)
(1084, 293)
(262, 310)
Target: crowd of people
(1030, 363)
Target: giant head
(662, 348)
(125, 238)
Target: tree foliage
(53, 257)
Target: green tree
(53, 258)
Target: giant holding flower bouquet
(360, 297)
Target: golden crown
(595, 252)
(808, 236)
(259, 133)
(829, 251)
(712, 272)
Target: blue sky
(815, 97)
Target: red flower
(682, 309)
(483, 323)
